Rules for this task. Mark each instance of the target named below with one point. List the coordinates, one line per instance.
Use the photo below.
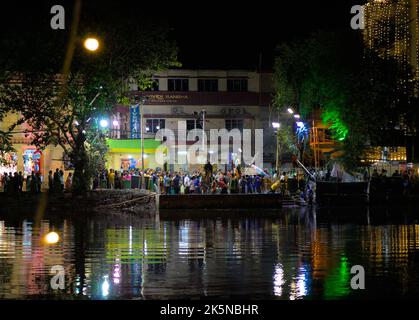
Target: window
(154, 85)
(207, 85)
(154, 125)
(193, 124)
(234, 124)
(237, 85)
(178, 85)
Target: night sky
(210, 34)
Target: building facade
(392, 29)
(232, 99)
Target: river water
(294, 253)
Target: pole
(142, 142)
(277, 151)
(142, 137)
(203, 131)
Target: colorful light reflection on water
(288, 256)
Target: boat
(344, 190)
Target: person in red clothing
(222, 185)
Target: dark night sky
(233, 36)
(210, 34)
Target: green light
(337, 283)
(332, 117)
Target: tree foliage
(65, 108)
(360, 96)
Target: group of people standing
(16, 182)
(165, 182)
(56, 181)
(227, 182)
(13, 183)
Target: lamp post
(142, 136)
(204, 142)
(141, 103)
(276, 126)
(288, 115)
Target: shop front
(125, 154)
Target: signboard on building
(135, 125)
(205, 98)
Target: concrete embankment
(98, 201)
(219, 201)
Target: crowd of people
(206, 181)
(210, 181)
(16, 182)
(179, 182)
(408, 179)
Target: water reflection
(296, 254)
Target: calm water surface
(292, 254)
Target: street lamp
(91, 44)
(290, 110)
(140, 104)
(104, 123)
(277, 125)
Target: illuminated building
(392, 30)
(232, 99)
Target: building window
(207, 85)
(178, 84)
(193, 124)
(154, 85)
(237, 85)
(154, 125)
(234, 124)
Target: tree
(5, 142)
(63, 105)
(357, 92)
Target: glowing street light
(276, 125)
(290, 110)
(52, 238)
(104, 123)
(296, 116)
(300, 124)
(91, 44)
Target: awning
(132, 145)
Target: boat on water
(345, 189)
